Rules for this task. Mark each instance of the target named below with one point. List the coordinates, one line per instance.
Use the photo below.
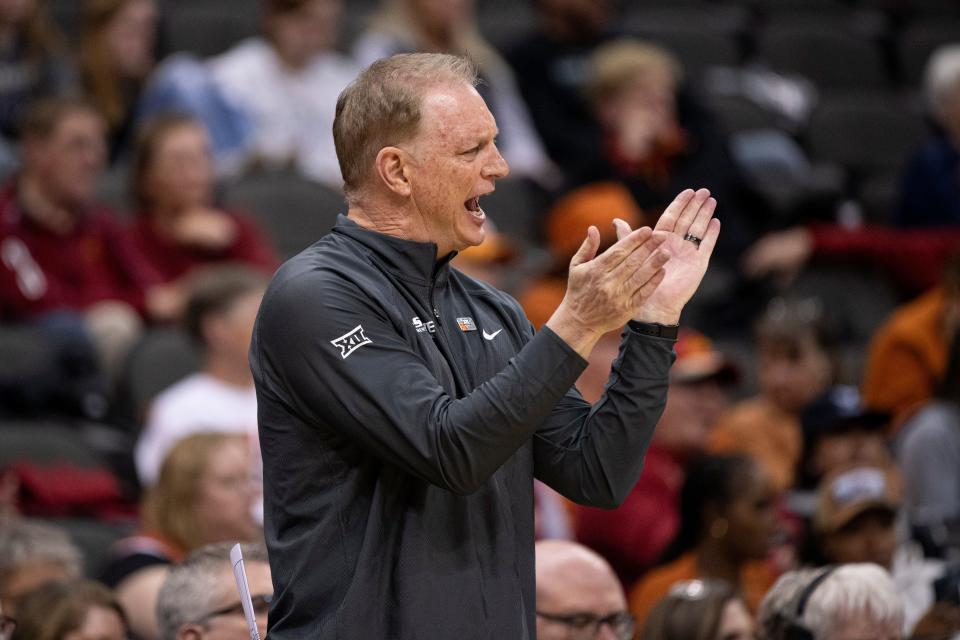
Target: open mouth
(473, 204)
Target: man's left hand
(689, 233)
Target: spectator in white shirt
(221, 309)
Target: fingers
(690, 212)
(587, 250)
(710, 237)
(653, 264)
(646, 290)
(623, 229)
(668, 220)
(701, 221)
(624, 247)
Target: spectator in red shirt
(177, 227)
(633, 536)
(59, 250)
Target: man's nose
(606, 632)
(497, 167)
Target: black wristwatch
(655, 329)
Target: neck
(43, 209)
(391, 220)
(227, 370)
(713, 561)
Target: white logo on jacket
(351, 341)
(424, 327)
(491, 336)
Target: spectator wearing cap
(578, 595)
(700, 610)
(856, 521)
(850, 602)
(838, 433)
(633, 536)
(727, 530)
(908, 353)
(33, 553)
(795, 352)
(928, 452)
(199, 599)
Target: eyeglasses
(7, 626)
(261, 605)
(587, 625)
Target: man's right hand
(605, 291)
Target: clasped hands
(647, 275)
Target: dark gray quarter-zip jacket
(405, 409)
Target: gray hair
(942, 79)
(851, 592)
(862, 591)
(24, 541)
(191, 589)
(381, 107)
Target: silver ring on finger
(694, 239)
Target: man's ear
(190, 632)
(391, 166)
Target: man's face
(862, 629)
(451, 162)
(869, 537)
(68, 163)
(229, 623)
(593, 594)
(793, 375)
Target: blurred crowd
(160, 158)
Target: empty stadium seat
(918, 41)
(294, 211)
(697, 51)
(517, 209)
(709, 18)
(835, 60)
(205, 29)
(161, 358)
(865, 135)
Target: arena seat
(161, 357)
(294, 211)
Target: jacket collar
(407, 259)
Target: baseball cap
(698, 360)
(595, 204)
(839, 410)
(844, 495)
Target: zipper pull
(436, 313)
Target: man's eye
(473, 151)
(581, 621)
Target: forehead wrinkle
(449, 116)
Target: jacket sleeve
(331, 353)
(594, 455)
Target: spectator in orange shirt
(908, 354)
(796, 366)
(727, 528)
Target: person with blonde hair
(204, 494)
(71, 611)
(448, 26)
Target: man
(405, 408)
(850, 602)
(577, 592)
(221, 307)
(634, 536)
(856, 521)
(65, 261)
(33, 553)
(199, 598)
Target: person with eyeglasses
(700, 610)
(199, 598)
(578, 595)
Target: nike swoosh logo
(491, 336)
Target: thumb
(587, 250)
(623, 229)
